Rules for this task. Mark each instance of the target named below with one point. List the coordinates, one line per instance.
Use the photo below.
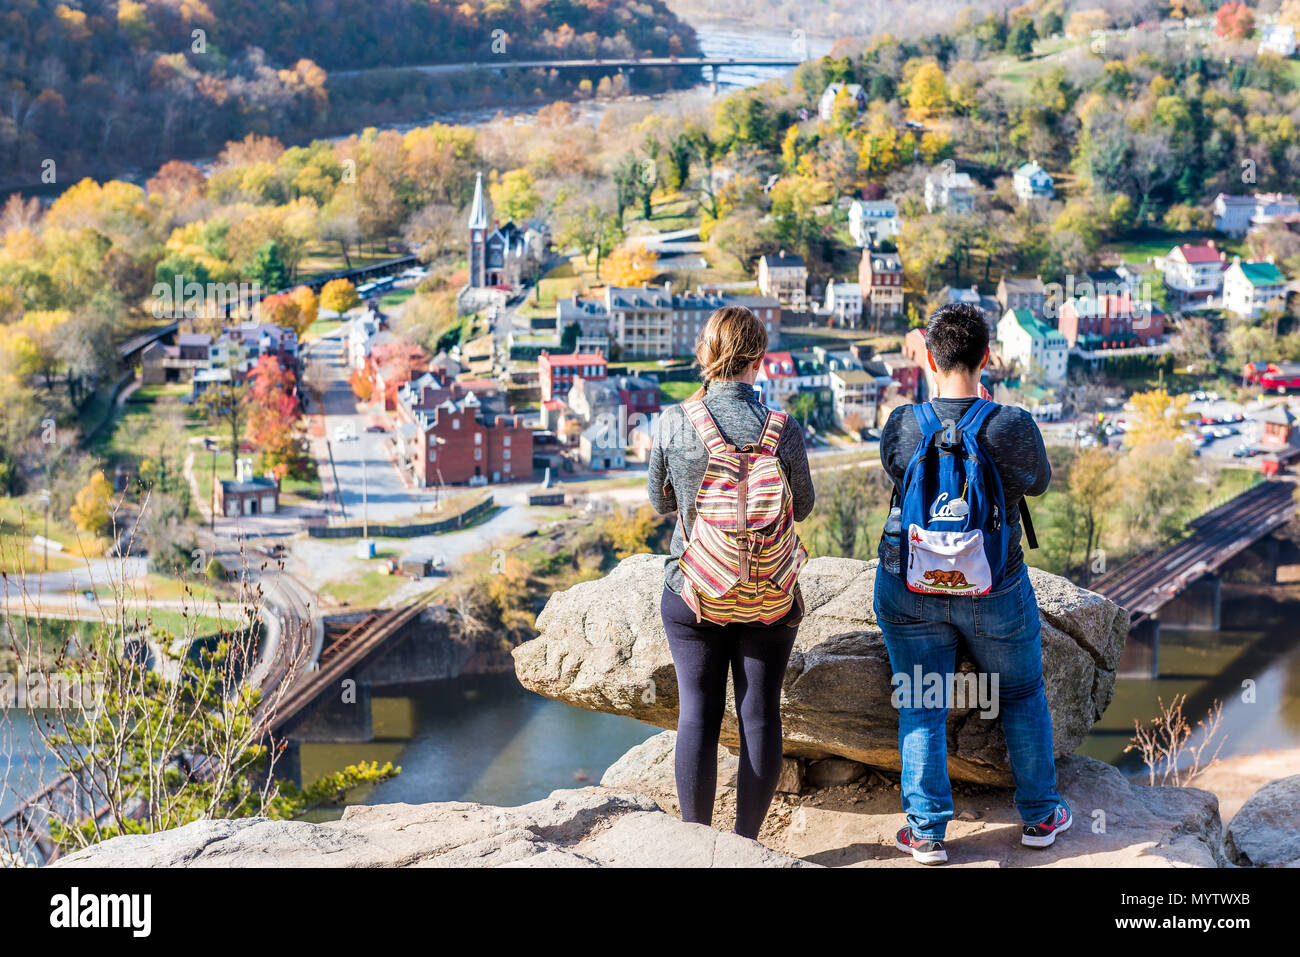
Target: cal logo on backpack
(954, 528)
(744, 556)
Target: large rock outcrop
(587, 827)
(602, 647)
(1266, 831)
(1116, 824)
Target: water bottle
(891, 542)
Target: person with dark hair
(953, 458)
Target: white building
(1037, 348)
(361, 332)
(844, 303)
(826, 105)
(856, 395)
(1193, 269)
(1232, 214)
(1273, 207)
(1031, 181)
(949, 190)
(873, 220)
(1252, 289)
(1236, 215)
(1278, 39)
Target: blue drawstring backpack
(954, 531)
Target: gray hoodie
(678, 460)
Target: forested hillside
(97, 84)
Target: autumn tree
(1234, 21)
(630, 266)
(514, 195)
(274, 412)
(1157, 417)
(339, 295)
(92, 510)
(928, 93)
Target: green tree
(1020, 41)
(267, 268)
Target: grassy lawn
(161, 587)
(560, 283)
(22, 518)
(320, 328)
(677, 391)
(325, 257)
(1142, 245)
(672, 212)
(365, 587)
(395, 299)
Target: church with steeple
(499, 252)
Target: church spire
(477, 212)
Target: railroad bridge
(1180, 585)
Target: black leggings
(757, 656)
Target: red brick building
(456, 442)
(1110, 322)
(556, 373)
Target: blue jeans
(1003, 634)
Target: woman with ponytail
(730, 353)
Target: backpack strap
(970, 424)
(927, 421)
(1027, 524)
(770, 440)
(976, 416)
(704, 425)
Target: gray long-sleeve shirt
(1011, 438)
(678, 460)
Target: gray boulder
(1266, 831)
(601, 646)
(587, 827)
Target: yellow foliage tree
(928, 94)
(91, 512)
(308, 306)
(1157, 417)
(339, 295)
(628, 266)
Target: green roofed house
(1036, 347)
(1252, 289)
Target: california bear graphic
(942, 579)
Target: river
(487, 739)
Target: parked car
(376, 428)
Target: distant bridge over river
(625, 65)
(1181, 583)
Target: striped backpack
(744, 556)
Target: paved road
(387, 498)
(94, 573)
